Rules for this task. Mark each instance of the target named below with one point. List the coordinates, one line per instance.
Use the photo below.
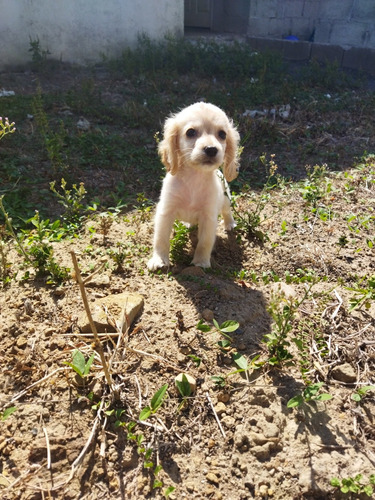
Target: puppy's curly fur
(197, 141)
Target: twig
(48, 449)
(25, 391)
(139, 392)
(215, 415)
(98, 345)
(77, 462)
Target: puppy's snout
(210, 151)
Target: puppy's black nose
(210, 151)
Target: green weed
(7, 413)
(79, 363)
(364, 293)
(361, 392)
(309, 394)
(155, 403)
(354, 485)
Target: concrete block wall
(346, 23)
(83, 31)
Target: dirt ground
(233, 441)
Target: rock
(258, 438)
(114, 304)
(193, 271)
(207, 314)
(191, 380)
(212, 478)
(223, 397)
(83, 124)
(101, 280)
(344, 373)
(21, 342)
(220, 408)
(262, 452)
(241, 437)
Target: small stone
(191, 380)
(212, 478)
(190, 486)
(223, 397)
(263, 490)
(261, 452)
(344, 373)
(193, 271)
(220, 408)
(83, 124)
(21, 342)
(228, 421)
(207, 314)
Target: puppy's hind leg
(229, 222)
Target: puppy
(197, 141)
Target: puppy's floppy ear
(231, 166)
(169, 147)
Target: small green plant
(179, 241)
(361, 392)
(283, 310)
(224, 329)
(38, 55)
(144, 207)
(364, 294)
(249, 220)
(155, 403)
(6, 127)
(184, 387)
(354, 485)
(144, 451)
(314, 188)
(70, 199)
(79, 363)
(7, 413)
(53, 141)
(309, 394)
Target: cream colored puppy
(197, 141)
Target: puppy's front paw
(201, 263)
(230, 226)
(157, 262)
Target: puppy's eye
(191, 132)
(222, 135)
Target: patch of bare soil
(234, 440)
(238, 441)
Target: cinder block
(264, 8)
(363, 10)
(296, 51)
(292, 51)
(335, 9)
(358, 58)
(311, 9)
(302, 27)
(327, 53)
(323, 31)
(292, 8)
(350, 33)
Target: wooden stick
(98, 345)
